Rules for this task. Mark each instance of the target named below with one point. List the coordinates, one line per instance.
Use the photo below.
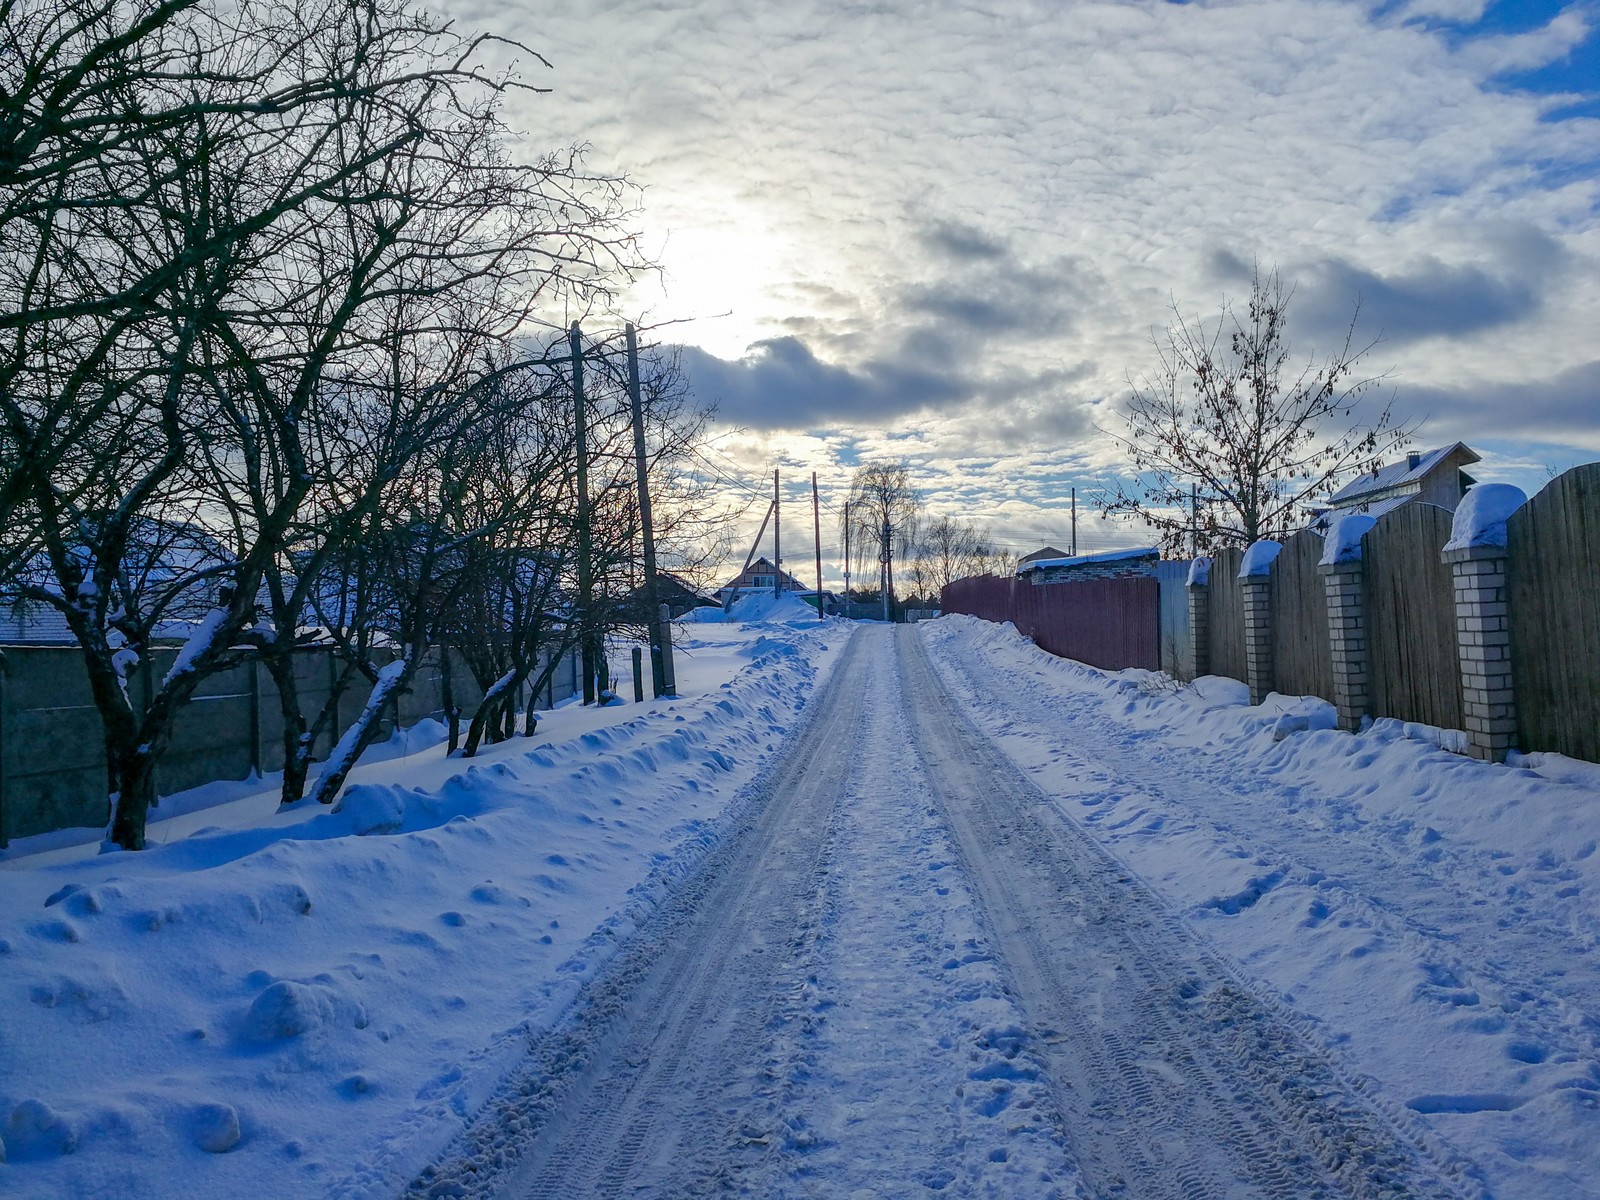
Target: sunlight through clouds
(965, 224)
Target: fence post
(669, 672)
(1255, 574)
(1483, 639)
(1199, 588)
(1342, 585)
(1343, 572)
(255, 716)
(4, 671)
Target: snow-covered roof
(1410, 469)
(1086, 559)
(1043, 552)
(1373, 508)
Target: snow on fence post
(1200, 616)
(1255, 578)
(1343, 578)
(1477, 553)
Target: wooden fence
(1553, 580)
(1108, 623)
(1227, 614)
(1432, 639)
(1301, 657)
(1413, 662)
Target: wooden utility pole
(1074, 522)
(1194, 523)
(660, 640)
(886, 575)
(816, 536)
(847, 558)
(585, 550)
(777, 535)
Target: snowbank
(1429, 917)
(759, 608)
(312, 1002)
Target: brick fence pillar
(1200, 628)
(1347, 640)
(1258, 636)
(1255, 580)
(1199, 589)
(1483, 641)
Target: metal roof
(1412, 468)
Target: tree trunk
(296, 736)
(489, 719)
(133, 776)
(391, 680)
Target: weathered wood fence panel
(1107, 623)
(1227, 614)
(1301, 656)
(1553, 577)
(1414, 669)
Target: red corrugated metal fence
(1109, 623)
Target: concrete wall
(52, 753)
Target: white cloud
(962, 223)
(1462, 12)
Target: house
(677, 594)
(1433, 477)
(760, 575)
(173, 567)
(1043, 552)
(1110, 564)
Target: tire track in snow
(1177, 1079)
(1493, 968)
(819, 1010)
(906, 1068)
(582, 1111)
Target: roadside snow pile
(1431, 918)
(313, 1001)
(760, 608)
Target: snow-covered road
(907, 972)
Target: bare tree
(511, 613)
(884, 511)
(947, 549)
(1230, 440)
(319, 223)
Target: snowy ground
(969, 922)
(1433, 918)
(343, 987)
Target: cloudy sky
(945, 232)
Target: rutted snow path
(904, 974)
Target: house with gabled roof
(1432, 477)
(761, 575)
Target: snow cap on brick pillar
(1342, 573)
(1200, 615)
(1255, 574)
(1477, 556)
